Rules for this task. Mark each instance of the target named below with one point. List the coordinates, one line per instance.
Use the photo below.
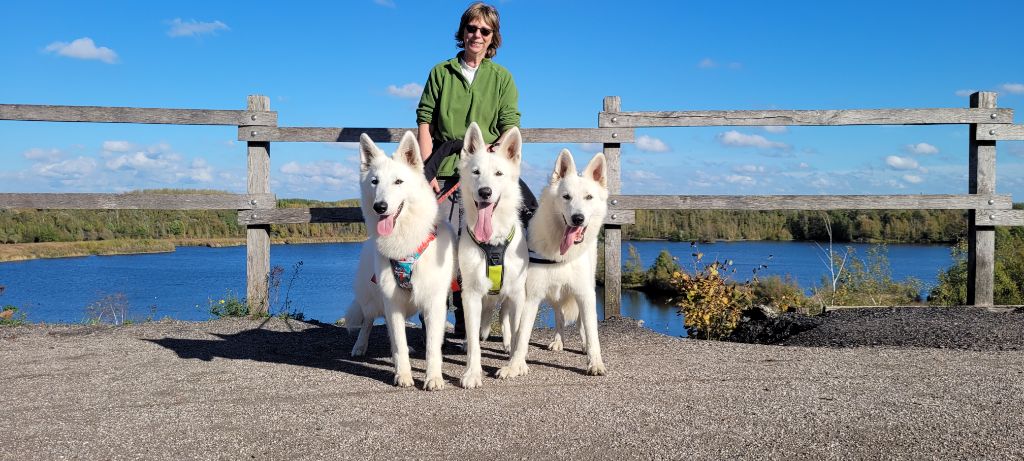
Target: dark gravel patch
(967, 328)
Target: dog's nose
(485, 192)
(577, 219)
(380, 207)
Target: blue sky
(361, 63)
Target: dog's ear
(409, 151)
(511, 145)
(474, 141)
(367, 151)
(597, 170)
(564, 166)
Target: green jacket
(449, 103)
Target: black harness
(495, 255)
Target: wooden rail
(257, 126)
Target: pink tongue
(482, 230)
(571, 235)
(386, 224)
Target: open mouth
(573, 236)
(483, 229)
(386, 223)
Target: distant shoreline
(50, 250)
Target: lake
(182, 284)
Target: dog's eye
(476, 171)
(398, 181)
(374, 181)
(499, 173)
(588, 197)
(567, 197)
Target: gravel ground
(950, 387)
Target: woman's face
(476, 43)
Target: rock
(771, 330)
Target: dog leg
(473, 307)
(486, 316)
(517, 363)
(587, 303)
(506, 324)
(359, 348)
(556, 344)
(399, 348)
(434, 318)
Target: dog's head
(392, 185)
(582, 200)
(489, 178)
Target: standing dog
(562, 273)
(408, 261)
(492, 253)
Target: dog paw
(597, 369)
(507, 347)
(358, 350)
(555, 345)
(403, 379)
(472, 380)
(512, 371)
(433, 384)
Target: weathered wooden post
(981, 240)
(613, 232)
(257, 237)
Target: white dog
(408, 261)
(562, 273)
(493, 253)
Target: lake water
(182, 284)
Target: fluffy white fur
(491, 199)
(564, 229)
(400, 212)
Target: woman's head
(479, 30)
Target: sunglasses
(483, 30)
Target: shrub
(229, 306)
(711, 303)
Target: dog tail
(570, 311)
(354, 317)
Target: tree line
(870, 226)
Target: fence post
(981, 240)
(613, 232)
(257, 237)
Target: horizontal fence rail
(40, 113)
(1000, 132)
(531, 135)
(137, 201)
(352, 215)
(805, 117)
(809, 202)
(1000, 218)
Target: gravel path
(241, 389)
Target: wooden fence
(257, 208)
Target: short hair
(489, 15)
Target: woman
(467, 88)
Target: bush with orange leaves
(711, 302)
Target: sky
(362, 63)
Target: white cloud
(901, 163)
(921, 148)
(118, 146)
(740, 180)
(649, 144)
(733, 138)
(775, 129)
(803, 165)
(913, 179)
(38, 153)
(342, 145)
(193, 28)
(591, 147)
(333, 175)
(965, 93)
(83, 48)
(407, 91)
(66, 169)
(749, 169)
(1013, 88)
(385, 3)
(707, 63)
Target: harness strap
(495, 255)
(402, 268)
